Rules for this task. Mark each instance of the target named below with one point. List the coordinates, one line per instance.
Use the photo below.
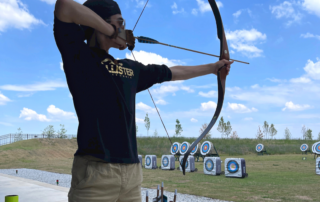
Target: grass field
(281, 176)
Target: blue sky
(280, 40)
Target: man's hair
(104, 8)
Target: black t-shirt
(104, 92)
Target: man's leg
(131, 179)
(94, 181)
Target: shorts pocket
(79, 171)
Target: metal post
(27, 136)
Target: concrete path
(31, 190)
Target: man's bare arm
(188, 72)
(70, 11)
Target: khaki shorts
(94, 181)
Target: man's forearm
(82, 15)
(188, 72)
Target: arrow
(143, 39)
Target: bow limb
(221, 77)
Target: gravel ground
(65, 181)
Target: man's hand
(120, 42)
(221, 63)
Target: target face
(194, 149)
(165, 161)
(304, 147)
(175, 148)
(317, 148)
(186, 163)
(259, 147)
(148, 161)
(205, 148)
(319, 165)
(209, 165)
(232, 166)
(184, 147)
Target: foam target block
(318, 166)
(259, 147)
(196, 149)
(175, 148)
(317, 147)
(150, 162)
(212, 166)
(167, 162)
(304, 147)
(207, 148)
(184, 147)
(235, 167)
(140, 159)
(190, 167)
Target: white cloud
(152, 58)
(139, 120)
(248, 119)
(209, 94)
(208, 106)
(312, 6)
(193, 120)
(309, 35)
(240, 108)
(175, 9)
(313, 69)
(15, 14)
(295, 107)
(29, 114)
(244, 41)
(146, 108)
(286, 10)
(300, 80)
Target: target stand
(306, 152)
(177, 156)
(316, 155)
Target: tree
(222, 126)
(147, 123)
(202, 129)
(309, 134)
(178, 128)
(234, 135)
(303, 131)
(259, 134)
(62, 133)
(228, 129)
(266, 128)
(287, 134)
(272, 131)
(18, 136)
(49, 132)
(136, 129)
(155, 133)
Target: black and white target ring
(317, 148)
(232, 166)
(148, 161)
(209, 165)
(175, 148)
(205, 148)
(304, 147)
(165, 161)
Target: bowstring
(148, 88)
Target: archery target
(235, 167)
(232, 166)
(150, 161)
(304, 147)
(317, 148)
(206, 148)
(196, 149)
(212, 165)
(184, 147)
(167, 162)
(259, 147)
(175, 148)
(190, 166)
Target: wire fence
(11, 138)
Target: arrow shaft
(187, 49)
